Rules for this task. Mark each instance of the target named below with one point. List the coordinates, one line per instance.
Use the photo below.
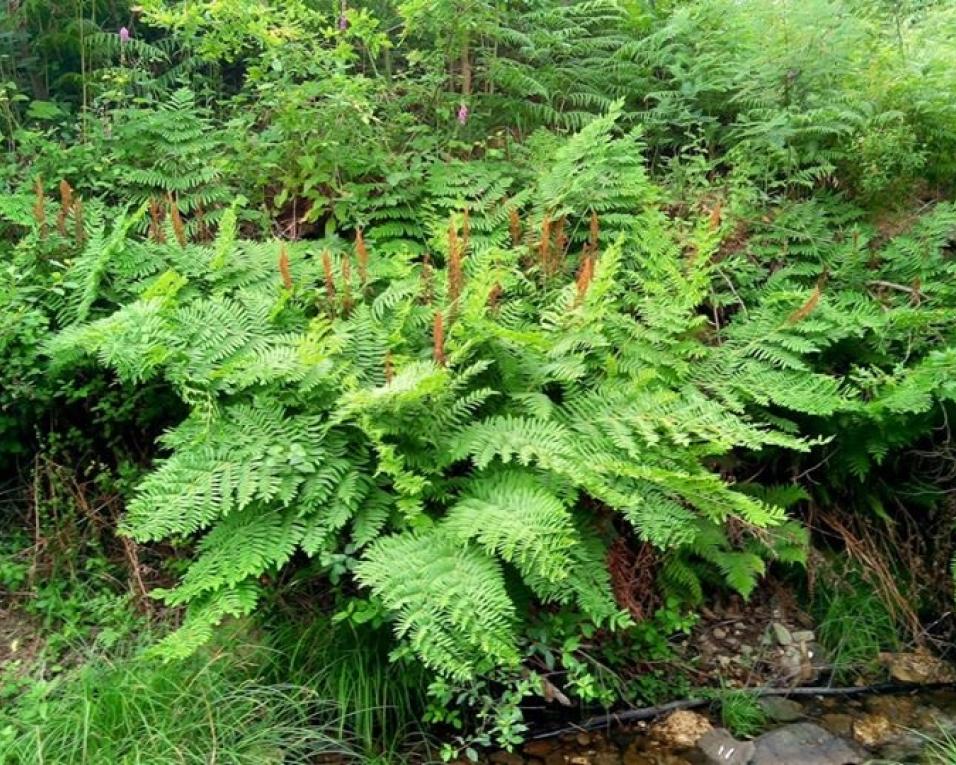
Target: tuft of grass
(381, 701)
(940, 749)
(853, 624)
(740, 712)
(134, 712)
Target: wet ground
(831, 730)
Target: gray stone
(906, 748)
(720, 748)
(780, 709)
(781, 634)
(805, 744)
(803, 636)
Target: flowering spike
(514, 225)
(560, 238)
(361, 252)
(462, 114)
(329, 279)
(66, 205)
(201, 220)
(715, 218)
(438, 336)
(39, 206)
(156, 232)
(179, 228)
(807, 308)
(284, 268)
(124, 35)
(494, 295)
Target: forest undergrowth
(379, 380)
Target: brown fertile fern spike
(560, 238)
(715, 216)
(807, 308)
(284, 268)
(594, 234)
(79, 228)
(329, 280)
(156, 222)
(438, 336)
(514, 226)
(201, 220)
(494, 295)
(361, 254)
(179, 228)
(346, 284)
(39, 207)
(66, 205)
(585, 275)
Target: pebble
(873, 730)
(780, 709)
(781, 634)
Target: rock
(581, 759)
(607, 757)
(780, 709)
(781, 634)
(720, 748)
(557, 757)
(805, 744)
(506, 758)
(837, 724)
(799, 664)
(920, 667)
(905, 748)
(747, 650)
(719, 633)
(538, 748)
(680, 730)
(583, 739)
(873, 730)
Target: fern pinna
(463, 430)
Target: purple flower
(462, 114)
(124, 35)
(343, 22)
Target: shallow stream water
(888, 728)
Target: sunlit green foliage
(454, 299)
